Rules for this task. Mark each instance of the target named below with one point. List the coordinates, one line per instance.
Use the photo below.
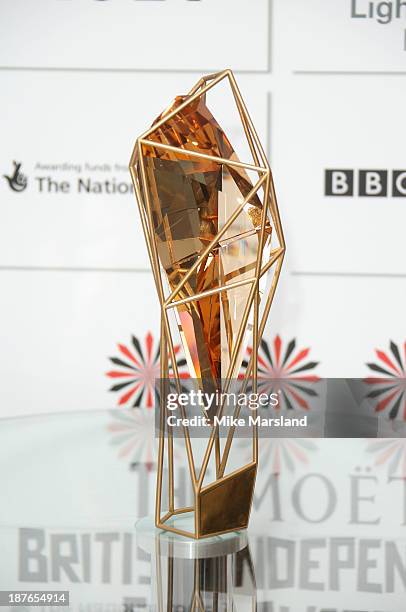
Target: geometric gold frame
(224, 504)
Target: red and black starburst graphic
(133, 433)
(390, 452)
(388, 389)
(281, 454)
(286, 370)
(289, 452)
(137, 370)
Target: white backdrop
(81, 79)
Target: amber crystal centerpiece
(191, 200)
(213, 232)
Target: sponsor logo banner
(374, 32)
(365, 183)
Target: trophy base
(156, 541)
(223, 506)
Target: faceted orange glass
(191, 200)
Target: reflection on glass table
(327, 529)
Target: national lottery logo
(69, 177)
(17, 181)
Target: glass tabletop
(327, 529)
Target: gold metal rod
(231, 432)
(240, 334)
(249, 120)
(158, 570)
(212, 158)
(273, 208)
(201, 607)
(270, 296)
(277, 233)
(201, 81)
(166, 516)
(254, 356)
(158, 283)
(244, 120)
(165, 527)
(199, 296)
(183, 510)
(195, 577)
(213, 75)
(236, 415)
(215, 240)
(195, 87)
(278, 224)
(228, 443)
(255, 374)
(163, 373)
(158, 124)
(255, 334)
(268, 304)
(217, 453)
(170, 470)
(256, 312)
(144, 222)
(197, 511)
(274, 256)
(241, 331)
(279, 260)
(171, 486)
(155, 263)
(250, 125)
(192, 607)
(237, 411)
(154, 260)
(262, 232)
(191, 534)
(169, 597)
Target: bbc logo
(370, 183)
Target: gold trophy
(216, 247)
